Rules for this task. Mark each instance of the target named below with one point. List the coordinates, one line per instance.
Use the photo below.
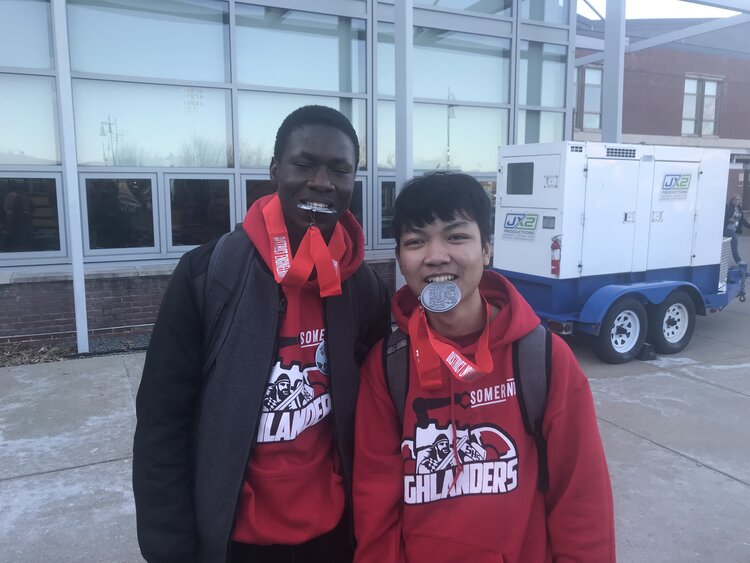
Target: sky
(640, 9)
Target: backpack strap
(531, 371)
(228, 265)
(396, 366)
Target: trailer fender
(602, 299)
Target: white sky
(641, 9)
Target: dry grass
(24, 353)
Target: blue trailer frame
(580, 304)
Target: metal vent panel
(576, 148)
(617, 152)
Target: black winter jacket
(195, 434)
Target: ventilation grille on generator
(620, 153)
(576, 148)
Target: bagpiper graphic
(295, 399)
(488, 457)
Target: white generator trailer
(623, 242)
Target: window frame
(49, 256)
(170, 247)
(700, 96)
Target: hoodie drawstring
(453, 422)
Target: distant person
(248, 458)
(734, 219)
(456, 477)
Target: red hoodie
(415, 501)
(293, 489)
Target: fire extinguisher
(556, 249)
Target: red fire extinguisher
(556, 249)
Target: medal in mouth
(440, 297)
(316, 207)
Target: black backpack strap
(396, 366)
(228, 265)
(532, 359)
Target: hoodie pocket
(426, 548)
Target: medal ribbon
(430, 353)
(312, 252)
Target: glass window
(550, 11)
(497, 7)
(256, 189)
(356, 204)
(386, 54)
(291, 49)
(387, 199)
(449, 65)
(120, 213)
(540, 126)
(520, 178)
(155, 38)
(592, 98)
(451, 137)
(29, 219)
(119, 124)
(200, 210)
(453, 65)
(28, 120)
(260, 115)
(542, 74)
(699, 107)
(25, 34)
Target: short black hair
(314, 115)
(444, 196)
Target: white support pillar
(70, 170)
(614, 64)
(404, 23)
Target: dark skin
(317, 166)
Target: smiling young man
(455, 476)
(245, 454)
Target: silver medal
(439, 297)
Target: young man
(734, 219)
(458, 480)
(249, 458)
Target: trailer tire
(622, 332)
(672, 323)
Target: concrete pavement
(675, 431)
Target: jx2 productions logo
(676, 181)
(521, 221)
(675, 186)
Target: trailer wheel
(622, 332)
(672, 323)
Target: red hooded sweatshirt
(294, 489)
(458, 482)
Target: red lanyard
(430, 352)
(312, 252)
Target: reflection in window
(449, 65)
(200, 210)
(497, 7)
(28, 120)
(311, 51)
(542, 74)
(155, 38)
(119, 124)
(29, 220)
(446, 137)
(387, 200)
(120, 213)
(25, 34)
(356, 205)
(550, 11)
(699, 113)
(540, 126)
(256, 189)
(260, 115)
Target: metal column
(614, 63)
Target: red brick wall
(43, 311)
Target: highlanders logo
(290, 404)
(488, 456)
